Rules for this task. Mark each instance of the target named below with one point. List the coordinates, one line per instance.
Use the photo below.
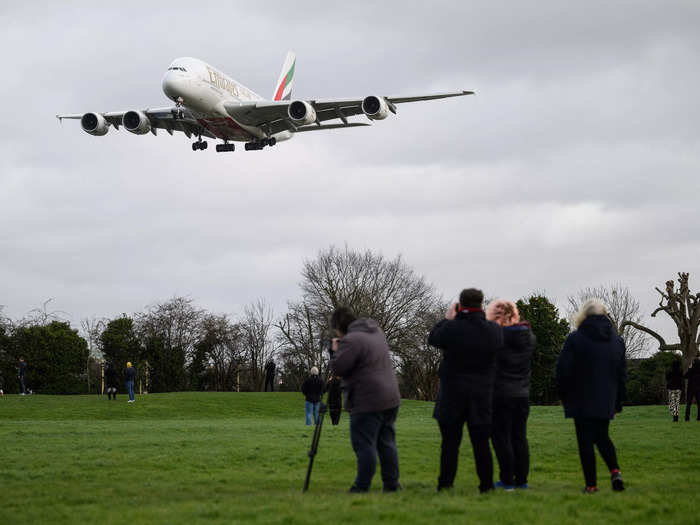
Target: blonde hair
(590, 307)
(503, 312)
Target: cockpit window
(177, 68)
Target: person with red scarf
(469, 344)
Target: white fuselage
(203, 90)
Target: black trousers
(591, 432)
(689, 402)
(372, 434)
(449, 454)
(271, 381)
(510, 439)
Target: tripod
(314, 443)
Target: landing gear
(225, 147)
(200, 144)
(258, 145)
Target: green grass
(232, 458)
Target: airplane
(210, 104)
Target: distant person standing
(693, 377)
(270, 375)
(312, 390)
(591, 379)
(21, 374)
(111, 381)
(511, 395)
(469, 344)
(674, 385)
(130, 377)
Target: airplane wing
(273, 116)
(161, 118)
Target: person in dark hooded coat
(111, 381)
(693, 377)
(511, 395)
(591, 379)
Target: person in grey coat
(361, 358)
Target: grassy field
(241, 458)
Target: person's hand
(451, 312)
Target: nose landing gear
(177, 112)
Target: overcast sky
(576, 164)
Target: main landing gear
(254, 146)
(200, 144)
(225, 147)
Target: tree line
(175, 345)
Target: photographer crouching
(361, 358)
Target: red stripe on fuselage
(225, 128)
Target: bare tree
(168, 331)
(257, 338)
(622, 306)
(42, 316)
(300, 338)
(222, 349)
(92, 329)
(388, 291)
(684, 308)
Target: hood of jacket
(364, 325)
(517, 336)
(598, 328)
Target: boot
(675, 419)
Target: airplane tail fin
(283, 88)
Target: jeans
(130, 388)
(510, 439)
(689, 402)
(372, 434)
(22, 388)
(591, 432)
(312, 408)
(449, 454)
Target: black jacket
(693, 376)
(513, 362)
(674, 378)
(364, 363)
(469, 344)
(130, 373)
(22, 369)
(110, 377)
(312, 389)
(592, 370)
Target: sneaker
(616, 479)
(522, 487)
(130, 401)
(590, 490)
(500, 485)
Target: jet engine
(375, 108)
(94, 124)
(136, 122)
(301, 113)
